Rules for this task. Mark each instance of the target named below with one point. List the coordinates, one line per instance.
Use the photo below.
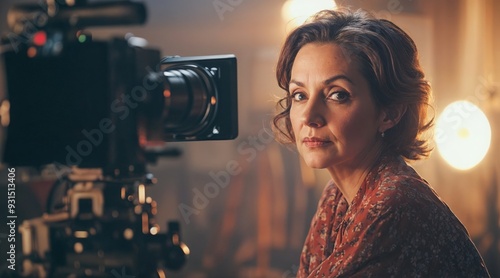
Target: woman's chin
(316, 164)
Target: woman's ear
(390, 117)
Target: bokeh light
(295, 12)
(463, 135)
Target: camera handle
(78, 16)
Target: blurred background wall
(255, 224)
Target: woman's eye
(339, 96)
(298, 96)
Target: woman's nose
(313, 114)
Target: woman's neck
(349, 176)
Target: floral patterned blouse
(396, 226)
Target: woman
(355, 104)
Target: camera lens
(190, 99)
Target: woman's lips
(314, 142)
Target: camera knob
(175, 252)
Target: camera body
(101, 104)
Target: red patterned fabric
(396, 226)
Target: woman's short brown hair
(388, 59)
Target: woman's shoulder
(396, 194)
(397, 185)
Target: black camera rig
(105, 109)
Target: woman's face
(334, 118)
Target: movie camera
(105, 109)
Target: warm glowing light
(184, 248)
(123, 193)
(31, 52)
(141, 192)
(463, 135)
(5, 113)
(167, 93)
(295, 12)
(81, 234)
(153, 230)
(78, 247)
(39, 38)
(145, 223)
(128, 234)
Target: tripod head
(95, 225)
